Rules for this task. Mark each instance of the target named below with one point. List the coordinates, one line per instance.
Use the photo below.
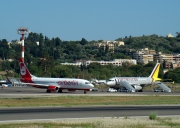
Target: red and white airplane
(53, 84)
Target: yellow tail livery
(155, 72)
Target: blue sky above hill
(89, 19)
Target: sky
(72, 20)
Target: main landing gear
(60, 91)
(48, 91)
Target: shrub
(152, 116)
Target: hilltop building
(169, 35)
(108, 44)
(144, 55)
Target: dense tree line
(43, 56)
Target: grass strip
(89, 100)
(100, 123)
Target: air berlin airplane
(53, 84)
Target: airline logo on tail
(155, 73)
(22, 69)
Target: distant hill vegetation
(44, 55)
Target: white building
(170, 35)
(110, 44)
(115, 62)
(144, 56)
(74, 64)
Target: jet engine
(137, 87)
(52, 88)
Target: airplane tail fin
(24, 72)
(7, 78)
(155, 72)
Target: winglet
(155, 72)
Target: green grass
(101, 123)
(49, 125)
(169, 122)
(89, 100)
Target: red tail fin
(25, 74)
(8, 80)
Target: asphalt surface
(11, 114)
(14, 114)
(15, 92)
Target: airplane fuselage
(64, 83)
(116, 81)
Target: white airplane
(53, 84)
(133, 84)
(4, 83)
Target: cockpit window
(87, 82)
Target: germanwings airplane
(133, 84)
(53, 84)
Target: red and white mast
(22, 31)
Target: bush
(152, 116)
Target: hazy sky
(89, 19)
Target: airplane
(133, 84)
(5, 83)
(52, 84)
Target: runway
(10, 114)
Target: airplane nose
(109, 83)
(92, 85)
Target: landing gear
(60, 91)
(48, 91)
(141, 90)
(84, 92)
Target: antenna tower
(22, 31)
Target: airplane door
(116, 81)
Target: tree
(178, 34)
(57, 41)
(83, 41)
(173, 74)
(106, 49)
